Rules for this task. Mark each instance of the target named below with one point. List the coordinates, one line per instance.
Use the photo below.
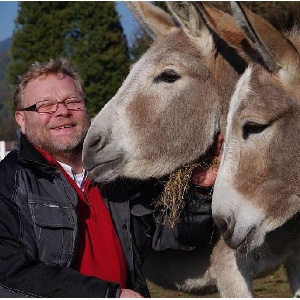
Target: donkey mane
(286, 19)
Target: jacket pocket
(55, 232)
(51, 215)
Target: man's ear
(20, 119)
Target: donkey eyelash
(253, 128)
(168, 76)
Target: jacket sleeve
(193, 228)
(22, 274)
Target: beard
(68, 149)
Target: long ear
(190, 21)
(202, 19)
(186, 14)
(155, 21)
(277, 52)
(223, 24)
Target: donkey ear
(221, 23)
(202, 19)
(277, 52)
(188, 17)
(155, 21)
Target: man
(49, 211)
(57, 236)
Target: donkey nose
(92, 145)
(96, 144)
(226, 226)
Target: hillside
(5, 45)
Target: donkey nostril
(221, 223)
(95, 142)
(226, 226)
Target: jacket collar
(28, 152)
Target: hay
(174, 195)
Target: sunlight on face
(61, 131)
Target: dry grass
(173, 196)
(272, 286)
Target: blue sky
(9, 11)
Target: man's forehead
(48, 86)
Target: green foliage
(88, 33)
(7, 122)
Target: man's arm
(21, 271)
(195, 225)
(24, 274)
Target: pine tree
(88, 33)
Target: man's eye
(72, 100)
(46, 105)
(168, 76)
(253, 128)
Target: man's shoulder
(8, 175)
(9, 162)
(9, 167)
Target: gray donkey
(256, 201)
(168, 112)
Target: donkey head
(257, 188)
(173, 102)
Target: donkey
(182, 86)
(256, 200)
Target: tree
(88, 33)
(5, 88)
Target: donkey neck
(227, 72)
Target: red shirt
(100, 253)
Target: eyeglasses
(50, 106)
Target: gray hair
(59, 66)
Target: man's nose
(62, 108)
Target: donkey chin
(249, 242)
(248, 232)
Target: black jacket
(39, 230)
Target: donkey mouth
(247, 244)
(105, 171)
(103, 163)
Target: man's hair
(59, 66)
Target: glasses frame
(34, 106)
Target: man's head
(61, 127)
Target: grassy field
(272, 286)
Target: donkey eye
(168, 76)
(253, 128)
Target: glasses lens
(46, 106)
(75, 103)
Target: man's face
(61, 131)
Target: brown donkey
(175, 98)
(256, 201)
(167, 113)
